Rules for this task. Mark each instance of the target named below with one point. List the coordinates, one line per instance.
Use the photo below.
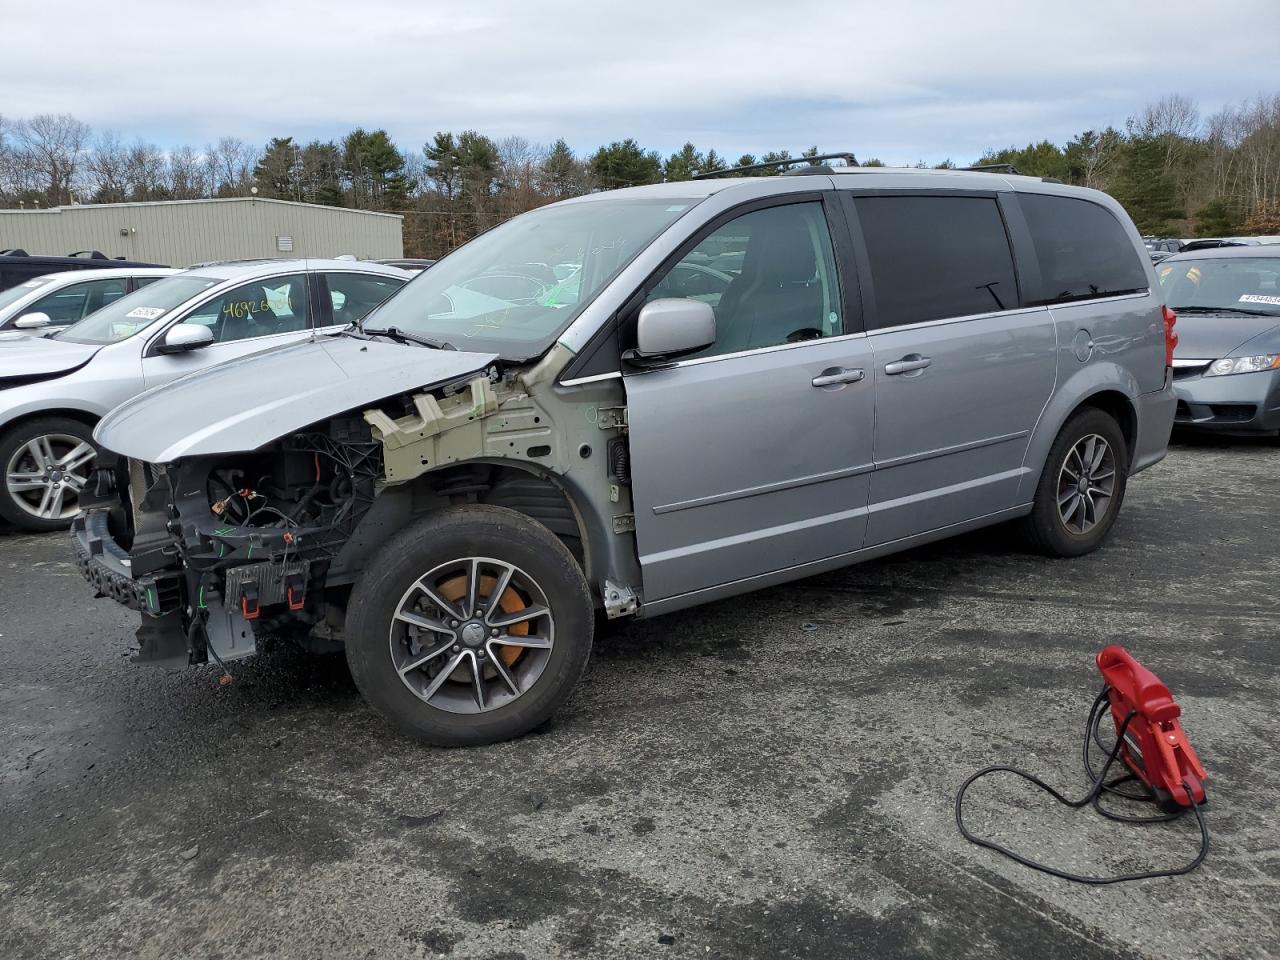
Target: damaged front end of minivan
(256, 527)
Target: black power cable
(1100, 785)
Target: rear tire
(484, 677)
(44, 463)
(1077, 499)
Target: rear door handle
(912, 361)
(837, 375)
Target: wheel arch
(1108, 387)
(86, 417)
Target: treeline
(1176, 172)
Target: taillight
(1170, 338)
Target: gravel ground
(770, 776)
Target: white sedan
(57, 300)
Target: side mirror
(185, 336)
(670, 327)
(33, 321)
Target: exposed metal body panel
(183, 232)
(294, 385)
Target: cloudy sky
(905, 81)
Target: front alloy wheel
(472, 635)
(471, 626)
(46, 466)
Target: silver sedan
(54, 390)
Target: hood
(1206, 336)
(243, 404)
(24, 356)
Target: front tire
(1081, 488)
(46, 463)
(470, 627)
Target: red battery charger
(1149, 741)
(1155, 749)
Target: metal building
(181, 232)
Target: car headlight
(1220, 368)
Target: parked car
(897, 357)
(1215, 243)
(1226, 369)
(1164, 245)
(412, 264)
(18, 266)
(47, 303)
(54, 390)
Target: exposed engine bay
(223, 552)
(238, 534)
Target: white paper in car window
(143, 313)
(278, 300)
(1259, 298)
(121, 330)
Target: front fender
(1088, 381)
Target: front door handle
(912, 361)
(835, 376)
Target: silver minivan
(638, 401)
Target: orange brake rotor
(455, 588)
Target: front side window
(132, 314)
(1240, 285)
(354, 295)
(75, 301)
(1082, 249)
(14, 294)
(513, 289)
(934, 257)
(769, 275)
(257, 309)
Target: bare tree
(188, 174)
(231, 162)
(54, 145)
(106, 170)
(147, 171)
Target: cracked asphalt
(770, 776)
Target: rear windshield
(128, 315)
(1226, 284)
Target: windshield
(14, 294)
(512, 290)
(125, 317)
(1235, 284)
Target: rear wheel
(46, 463)
(1082, 487)
(472, 626)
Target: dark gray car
(639, 401)
(1226, 367)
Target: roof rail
(848, 158)
(14, 252)
(994, 168)
(89, 254)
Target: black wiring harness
(1100, 786)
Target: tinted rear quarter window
(936, 257)
(1082, 249)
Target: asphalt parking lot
(770, 776)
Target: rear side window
(1083, 250)
(936, 257)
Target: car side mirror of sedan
(33, 321)
(672, 327)
(185, 336)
